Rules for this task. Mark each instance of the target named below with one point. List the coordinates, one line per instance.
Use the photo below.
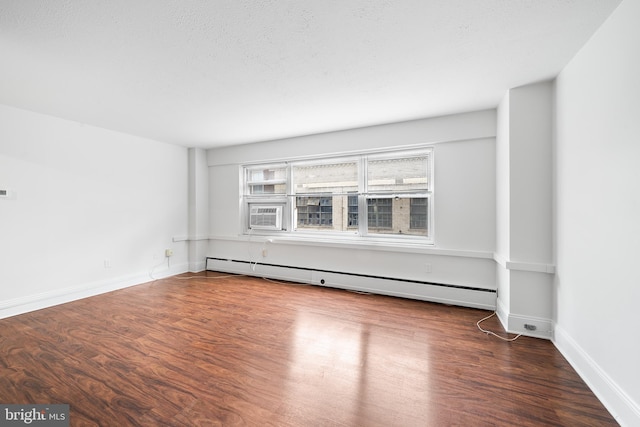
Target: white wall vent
(265, 217)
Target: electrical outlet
(7, 194)
(530, 327)
(427, 268)
(264, 253)
(107, 263)
(168, 253)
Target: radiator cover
(466, 296)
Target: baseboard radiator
(466, 296)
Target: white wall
(464, 202)
(598, 212)
(84, 196)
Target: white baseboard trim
(502, 313)
(197, 267)
(515, 323)
(21, 305)
(622, 407)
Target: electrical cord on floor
(209, 277)
(156, 266)
(278, 282)
(493, 333)
(358, 292)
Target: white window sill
(386, 245)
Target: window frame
(362, 231)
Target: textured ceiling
(204, 73)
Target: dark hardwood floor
(245, 351)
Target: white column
(524, 176)
(198, 208)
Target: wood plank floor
(244, 351)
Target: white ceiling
(206, 73)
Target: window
(384, 194)
(265, 196)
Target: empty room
(297, 213)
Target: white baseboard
(515, 323)
(197, 267)
(622, 407)
(16, 306)
(502, 313)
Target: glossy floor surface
(228, 351)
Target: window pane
(267, 180)
(398, 175)
(418, 216)
(398, 215)
(267, 174)
(326, 213)
(267, 189)
(379, 213)
(326, 178)
(352, 220)
(314, 212)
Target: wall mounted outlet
(7, 194)
(427, 268)
(107, 263)
(530, 327)
(168, 253)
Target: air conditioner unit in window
(265, 217)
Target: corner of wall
(620, 404)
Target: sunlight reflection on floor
(367, 365)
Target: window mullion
(362, 199)
(290, 221)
